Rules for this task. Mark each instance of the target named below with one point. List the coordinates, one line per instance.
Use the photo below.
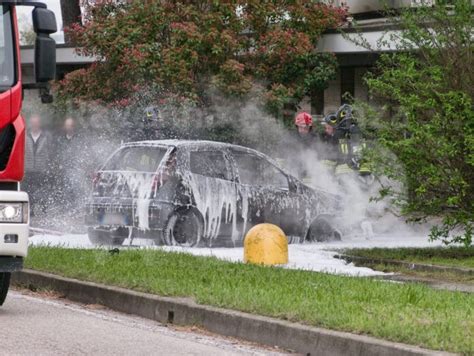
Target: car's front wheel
(104, 238)
(322, 230)
(184, 228)
(4, 285)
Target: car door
(251, 205)
(215, 193)
(282, 199)
(267, 191)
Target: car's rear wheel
(104, 238)
(184, 228)
(322, 230)
(4, 285)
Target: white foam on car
(214, 198)
(140, 185)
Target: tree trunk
(71, 13)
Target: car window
(136, 159)
(210, 164)
(257, 171)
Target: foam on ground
(312, 257)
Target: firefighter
(342, 126)
(323, 144)
(306, 141)
(355, 143)
(304, 125)
(349, 140)
(330, 150)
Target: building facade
(354, 60)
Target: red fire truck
(14, 212)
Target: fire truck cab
(14, 206)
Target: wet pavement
(35, 324)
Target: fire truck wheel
(4, 285)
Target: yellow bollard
(266, 244)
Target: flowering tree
(193, 49)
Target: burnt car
(201, 193)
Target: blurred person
(68, 153)
(69, 132)
(67, 146)
(38, 148)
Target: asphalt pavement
(39, 324)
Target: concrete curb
(408, 265)
(291, 336)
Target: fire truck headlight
(13, 212)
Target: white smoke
(104, 129)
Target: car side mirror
(44, 24)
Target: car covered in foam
(201, 193)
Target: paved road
(33, 324)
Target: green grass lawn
(443, 256)
(411, 313)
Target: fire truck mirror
(44, 24)
(44, 21)
(45, 59)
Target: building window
(347, 84)
(317, 103)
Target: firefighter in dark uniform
(345, 133)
